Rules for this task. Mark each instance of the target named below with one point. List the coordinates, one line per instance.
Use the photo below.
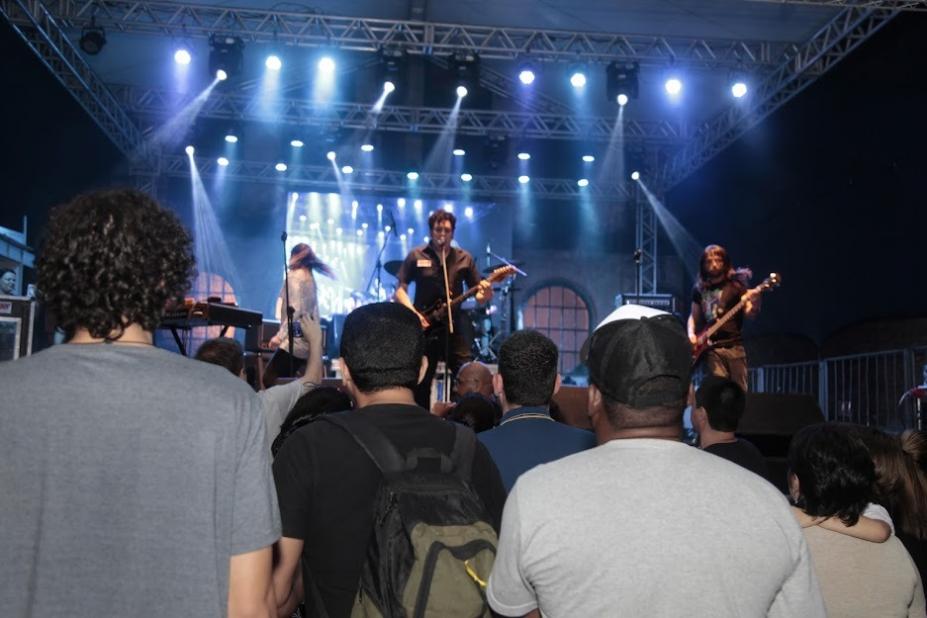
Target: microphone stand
(290, 330)
(450, 326)
(378, 267)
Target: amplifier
(664, 302)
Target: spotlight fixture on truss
(390, 64)
(226, 53)
(465, 70)
(92, 38)
(621, 78)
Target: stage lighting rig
(226, 53)
(465, 70)
(621, 78)
(390, 62)
(92, 38)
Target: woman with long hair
(304, 301)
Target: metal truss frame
(307, 28)
(324, 178)
(826, 48)
(893, 5)
(41, 31)
(646, 232)
(234, 106)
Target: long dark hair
(302, 256)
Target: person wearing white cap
(642, 524)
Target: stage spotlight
(578, 78)
(468, 212)
(273, 62)
(739, 90)
(92, 38)
(583, 182)
(226, 56)
(461, 91)
(330, 155)
(673, 86)
(527, 75)
(401, 202)
(465, 71)
(466, 177)
(189, 150)
(182, 57)
(222, 161)
(524, 156)
(635, 175)
(296, 143)
(231, 138)
(412, 175)
(388, 86)
(347, 169)
(621, 81)
(326, 65)
(588, 158)
(280, 167)
(367, 147)
(459, 152)
(390, 61)
(524, 179)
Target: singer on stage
(426, 266)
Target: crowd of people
(138, 480)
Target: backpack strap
(377, 446)
(462, 455)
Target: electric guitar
(437, 313)
(703, 342)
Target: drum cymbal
(392, 267)
(488, 270)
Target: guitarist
(423, 266)
(719, 287)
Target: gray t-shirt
(128, 478)
(277, 401)
(650, 528)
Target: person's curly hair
(112, 258)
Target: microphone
(283, 236)
(637, 254)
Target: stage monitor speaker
(779, 414)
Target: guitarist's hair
(528, 366)
(382, 344)
(442, 215)
(709, 251)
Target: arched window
(560, 313)
(205, 286)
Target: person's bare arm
(251, 594)
(695, 318)
(286, 580)
(485, 293)
(312, 333)
(402, 297)
(867, 529)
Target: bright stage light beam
(635, 175)
(622, 99)
(462, 92)
(273, 62)
(466, 177)
(578, 79)
(739, 90)
(673, 86)
(523, 179)
(326, 65)
(221, 75)
(182, 57)
(331, 155)
(222, 161)
(366, 147)
(459, 152)
(189, 150)
(526, 76)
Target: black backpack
(432, 546)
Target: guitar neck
(711, 330)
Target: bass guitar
(437, 313)
(703, 342)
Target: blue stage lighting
(231, 138)
(523, 179)
(296, 143)
(622, 99)
(583, 182)
(461, 91)
(401, 202)
(578, 79)
(459, 152)
(466, 177)
(326, 65)
(330, 155)
(468, 212)
(739, 90)
(347, 169)
(280, 167)
(523, 156)
(189, 150)
(388, 86)
(222, 161)
(635, 175)
(673, 86)
(182, 56)
(221, 75)
(273, 62)
(412, 175)
(367, 147)
(588, 158)
(526, 76)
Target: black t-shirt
(715, 301)
(326, 487)
(742, 453)
(423, 267)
